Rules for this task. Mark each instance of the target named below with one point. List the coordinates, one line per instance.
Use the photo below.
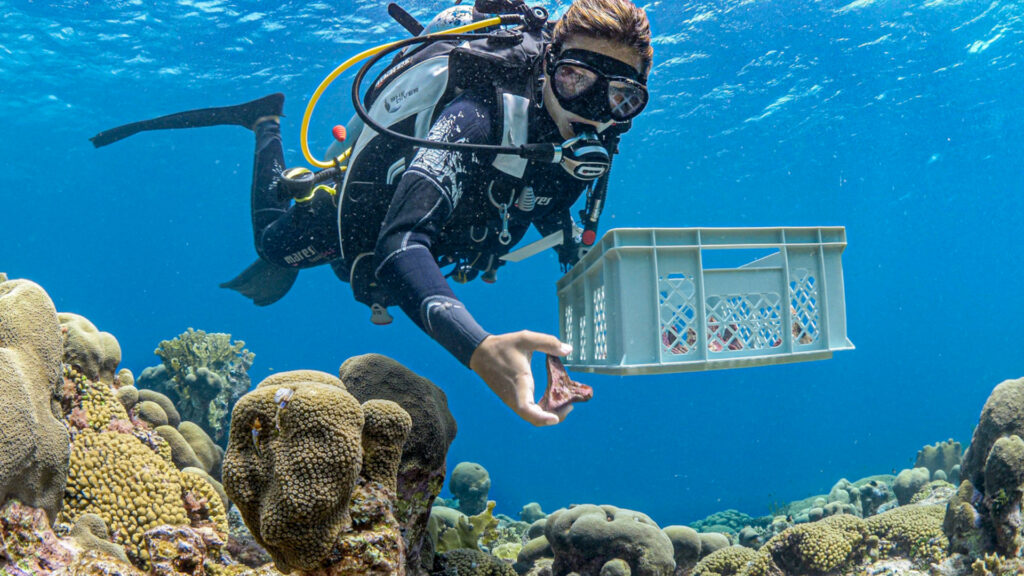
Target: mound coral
(33, 442)
(813, 549)
(95, 354)
(914, 531)
(943, 457)
(728, 561)
(291, 469)
(584, 538)
(909, 482)
(422, 469)
(126, 484)
(470, 483)
(203, 374)
(313, 474)
(985, 515)
(91, 533)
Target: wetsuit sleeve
(425, 198)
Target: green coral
(455, 531)
(204, 374)
(725, 562)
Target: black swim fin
(263, 282)
(240, 115)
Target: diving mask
(596, 87)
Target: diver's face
(620, 52)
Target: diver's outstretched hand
(503, 362)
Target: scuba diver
(458, 146)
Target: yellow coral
(100, 404)
(212, 510)
(814, 548)
(913, 530)
(116, 477)
(727, 561)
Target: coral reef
(470, 484)
(584, 538)
(33, 442)
(203, 374)
(422, 469)
(314, 473)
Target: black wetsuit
(446, 209)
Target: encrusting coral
(33, 442)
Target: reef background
(901, 121)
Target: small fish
(282, 396)
(256, 427)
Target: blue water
(902, 121)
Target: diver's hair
(615, 20)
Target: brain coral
(126, 484)
(96, 354)
(422, 470)
(727, 561)
(291, 470)
(33, 442)
(584, 538)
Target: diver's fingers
(563, 412)
(545, 343)
(527, 408)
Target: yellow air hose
(304, 139)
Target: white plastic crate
(653, 301)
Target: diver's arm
(426, 197)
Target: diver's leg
(268, 165)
